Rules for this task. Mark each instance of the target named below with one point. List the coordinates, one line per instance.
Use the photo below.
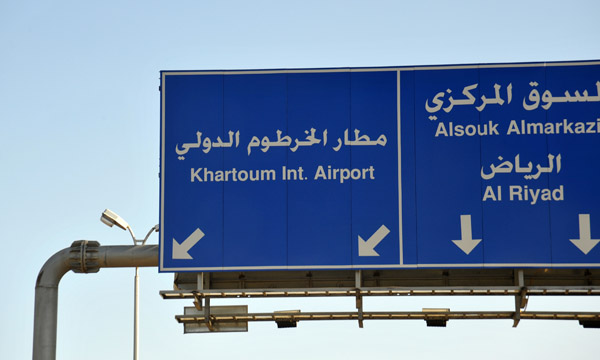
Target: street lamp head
(110, 218)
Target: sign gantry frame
(518, 283)
(457, 180)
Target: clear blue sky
(79, 108)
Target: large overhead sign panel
(448, 166)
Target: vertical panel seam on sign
(398, 117)
(223, 168)
(351, 181)
(287, 188)
(546, 115)
(414, 158)
(481, 184)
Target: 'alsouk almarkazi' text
(522, 127)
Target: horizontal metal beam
(389, 278)
(451, 315)
(334, 292)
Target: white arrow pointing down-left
(180, 251)
(367, 248)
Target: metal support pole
(83, 257)
(200, 281)
(359, 299)
(136, 315)
(46, 305)
(207, 315)
(520, 298)
(136, 301)
(359, 307)
(198, 301)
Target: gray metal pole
(82, 257)
(46, 305)
(136, 316)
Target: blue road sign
(423, 167)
